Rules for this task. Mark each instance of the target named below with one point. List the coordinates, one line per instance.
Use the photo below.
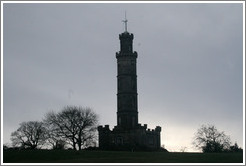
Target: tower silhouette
(127, 114)
(128, 134)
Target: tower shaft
(127, 104)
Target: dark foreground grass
(69, 156)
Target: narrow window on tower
(119, 120)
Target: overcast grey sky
(189, 66)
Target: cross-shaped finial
(125, 21)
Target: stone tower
(127, 103)
(128, 134)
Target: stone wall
(138, 138)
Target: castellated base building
(128, 134)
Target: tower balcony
(126, 54)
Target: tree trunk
(79, 143)
(74, 145)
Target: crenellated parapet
(157, 130)
(103, 128)
(126, 36)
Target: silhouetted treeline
(209, 139)
(73, 127)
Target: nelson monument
(128, 134)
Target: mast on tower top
(125, 21)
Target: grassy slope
(59, 156)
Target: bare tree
(76, 125)
(29, 135)
(53, 138)
(209, 139)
